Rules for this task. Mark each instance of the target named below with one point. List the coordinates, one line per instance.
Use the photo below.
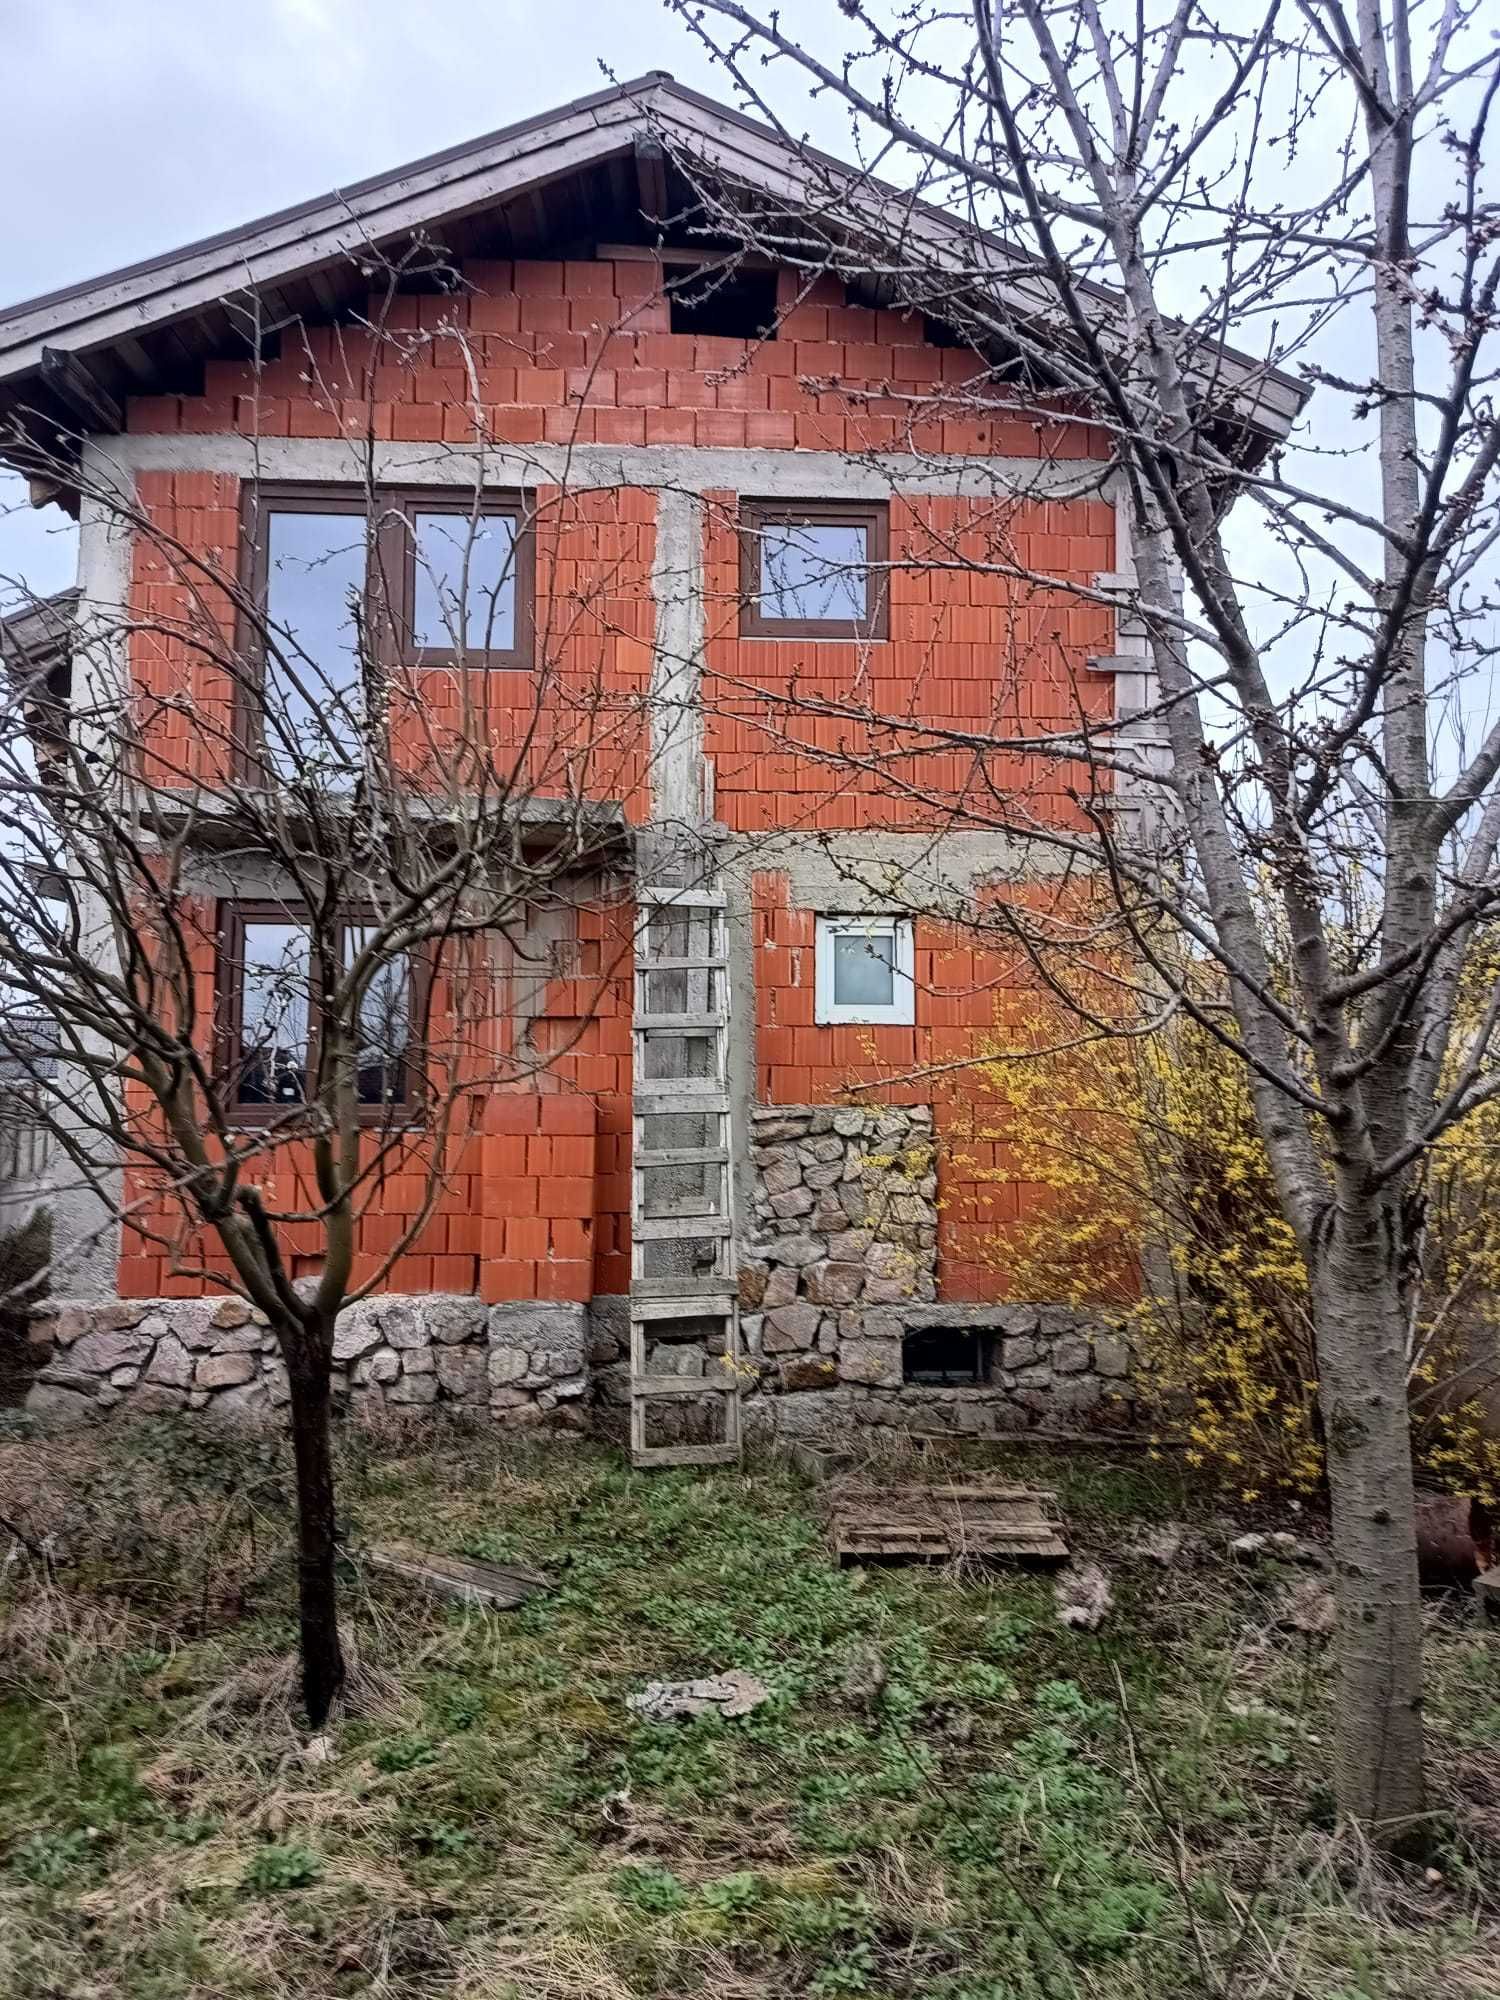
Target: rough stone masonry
(839, 1269)
(523, 1363)
(837, 1272)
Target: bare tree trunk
(1360, 1327)
(317, 1587)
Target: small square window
(813, 571)
(864, 970)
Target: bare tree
(1307, 184)
(309, 729)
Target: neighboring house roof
(36, 669)
(36, 640)
(599, 169)
(33, 1042)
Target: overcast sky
(133, 126)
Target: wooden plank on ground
(497, 1586)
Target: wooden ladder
(683, 1286)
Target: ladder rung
(680, 1156)
(645, 965)
(686, 1454)
(674, 1228)
(685, 899)
(655, 1097)
(689, 1024)
(646, 1387)
(712, 1285)
(683, 1204)
(712, 1305)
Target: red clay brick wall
(581, 352)
(536, 1194)
(965, 994)
(802, 731)
(533, 1193)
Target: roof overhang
(68, 359)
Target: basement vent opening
(947, 1357)
(724, 304)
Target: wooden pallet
(939, 1524)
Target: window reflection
(274, 1021)
(864, 969)
(464, 597)
(315, 585)
(384, 1028)
(814, 570)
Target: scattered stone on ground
(1280, 1545)
(1083, 1595)
(864, 1673)
(1161, 1545)
(1306, 1606)
(729, 1694)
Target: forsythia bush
(1154, 1196)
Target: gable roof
(597, 169)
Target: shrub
(1155, 1200)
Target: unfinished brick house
(758, 509)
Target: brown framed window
(462, 577)
(269, 1015)
(309, 561)
(813, 570)
(444, 580)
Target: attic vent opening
(947, 1357)
(724, 304)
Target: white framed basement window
(864, 971)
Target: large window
(314, 582)
(864, 970)
(270, 1019)
(442, 580)
(813, 571)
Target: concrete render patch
(807, 475)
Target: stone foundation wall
(1052, 1370)
(522, 1363)
(838, 1268)
(842, 1233)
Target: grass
(947, 1797)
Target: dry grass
(495, 1824)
